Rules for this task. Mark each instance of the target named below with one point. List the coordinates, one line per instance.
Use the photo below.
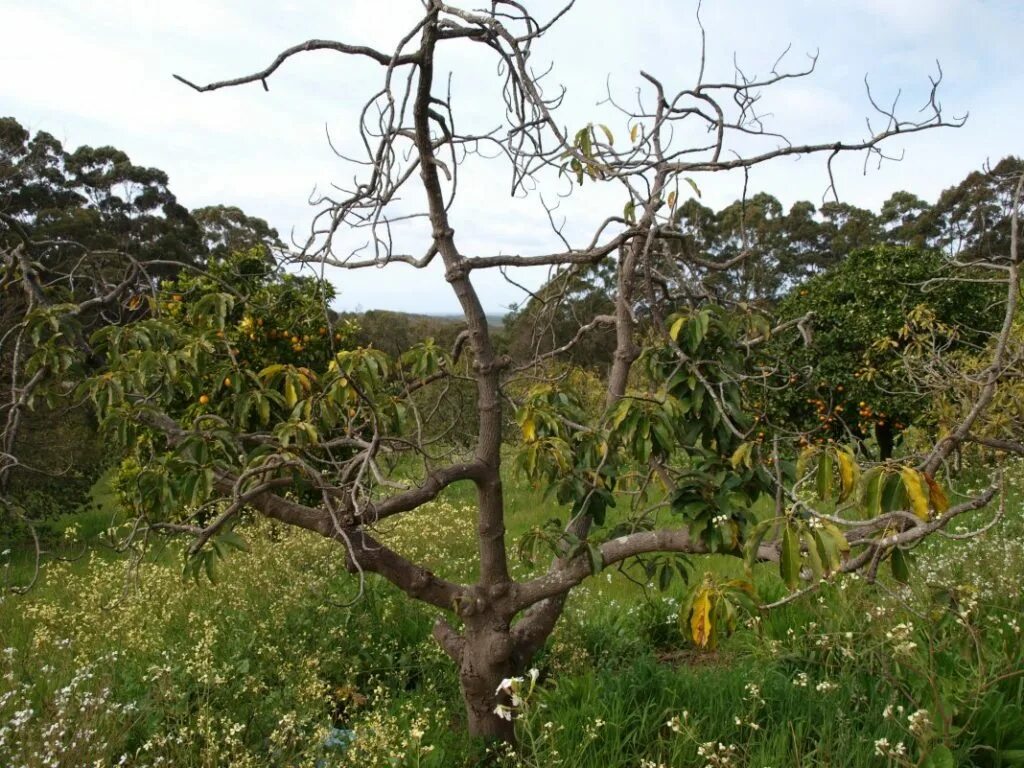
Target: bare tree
(336, 431)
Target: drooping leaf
(804, 459)
(871, 491)
(913, 482)
(741, 455)
(814, 560)
(753, 542)
(823, 478)
(849, 472)
(936, 495)
(700, 618)
(629, 212)
(789, 561)
(894, 494)
(899, 565)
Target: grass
(104, 662)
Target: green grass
(257, 669)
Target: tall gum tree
(669, 442)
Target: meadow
(114, 659)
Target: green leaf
(900, 566)
(665, 577)
(833, 545)
(871, 491)
(235, 541)
(753, 542)
(894, 495)
(813, 554)
(789, 562)
(823, 480)
(208, 566)
(939, 757)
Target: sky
(101, 74)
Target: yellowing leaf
(915, 491)
(629, 212)
(741, 455)
(677, 326)
(529, 430)
(608, 133)
(802, 461)
(672, 200)
(937, 496)
(849, 472)
(700, 619)
(290, 396)
(634, 132)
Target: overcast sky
(100, 73)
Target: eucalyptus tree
(70, 222)
(663, 461)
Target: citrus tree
(851, 380)
(666, 461)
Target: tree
(227, 229)
(673, 434)
(973, 217)
(852, 380)
(70, 221)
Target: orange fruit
(204, 399)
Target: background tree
(69, 223)
(851, 380)
(227, 230)
(973, 217)
(669, 465)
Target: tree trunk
(886, 441)
(486, 660)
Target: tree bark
(486, 659)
